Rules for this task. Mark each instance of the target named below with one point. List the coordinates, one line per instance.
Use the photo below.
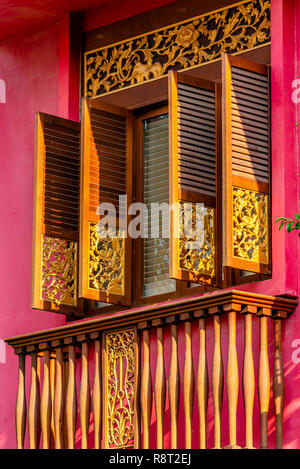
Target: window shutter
(105, 251)
(56, 214)
(194, 113)
(246, 164)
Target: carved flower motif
(187, 35)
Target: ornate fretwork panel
(119, 388)
(250, 225)
(106, 259)
(181, 46)
(197, 240)
(59, 271)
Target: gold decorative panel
(197, 240)
(106, 259)
(184, 45)
(59, 271)
(119, 388)
(250, 225)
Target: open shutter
(105, 248)
(246, 165)
(56, 214)
(194, 113)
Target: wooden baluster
(263, 381)
(202, 379)
(46, 399)
(278, 384)
(71, 399)
(160, 385)
(217, 378)
(21, 401)
(65, 391)
(188, 381)
(146, 387)
(232, 374)
(58, 395)
(97, 390)
(34, 402)
(174, 380)
(52, 391)
(85, 399)
(248, 375)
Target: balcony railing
(111, 371)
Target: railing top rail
(210, 303)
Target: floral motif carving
(59, 271)
(180, 46)
(197, 241)
(250, 225)
(120, 388)
(106, 259)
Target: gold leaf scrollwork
(250, 225)
(106, 259)
(197, 240)
(120, 388)
(59, 271)
(180, 46)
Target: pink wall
(29, 67)
(37, 71)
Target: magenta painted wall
(35, 69)
(29, 67)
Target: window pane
(156, 191)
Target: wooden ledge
(277, 307)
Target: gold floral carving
(197, 241)
(106, 259)
(181, 46)
(59, 271)
(120, 376)
(250, 225)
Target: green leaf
(297, 216)
(289, 227)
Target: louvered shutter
(105, 249)
(246, 163)
(194, 113)
(56, 214)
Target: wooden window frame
(230, 277)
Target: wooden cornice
(276, 307)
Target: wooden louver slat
(56, 214)
(194, 113)
(105, 263)
(246, 163)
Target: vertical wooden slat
(58, 399)
(97, 394)
(21, 403)
(146, 389)
(174, 379)
(52, 391)
(202, 382)
(34, 405)
(232, 378)
(46, 400)
(160, 387)
(188, 383)
(278, 384)
(65, 391)
(71, 400)
(263, 381)
(217, 381)
(84, 399)
(248, 380)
